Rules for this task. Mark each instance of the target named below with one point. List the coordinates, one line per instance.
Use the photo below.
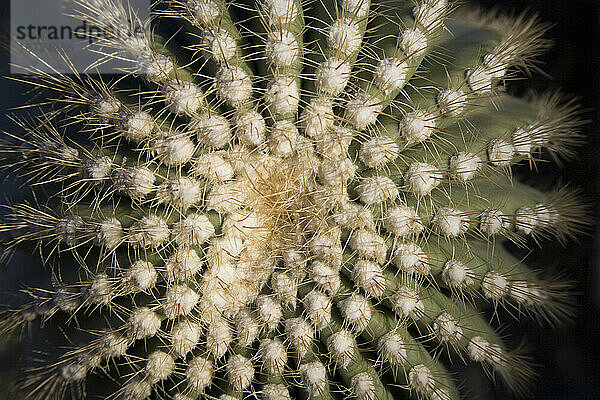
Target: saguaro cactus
(286, 199)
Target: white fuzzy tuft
(363, 110)
(183, 98)
(68, 229)
(250, 127)
(274, 356)
(430, 13)
(351, 215)
(181, 192)
(368, 276)
(218, 337)
(212, 130)
(246, 327)
(227, 197)
(421, 379)
(452, 102)
(480, 80)
(376, 189)
(359, 8)
(356, 311)
(173, 149)
(113, 346)
(136, 182)
(481, 350)
(300, 334)
(526, 220)
(500, 153)
(446, 328)
(281, 12)
(275, 392)
(450, 222)
(325, 276)
(139, 126)
(73, 372)
(494, 285)
(344, 37)
(336, 171)
(218, 44)
(99, 290)
(233, 85)
(493, 222)
(143, 323)
(179, 300)
(326, 246)
(110, 233)
(407, 303)
(413, 43)
(282, 95)
(240, 372)
(368, 244)
(98, 169)
(363, 386)
(317, 118)
(391, 74)
(417, 126)
(183, 264)
(193, 230)
(283, 138)
(285, 287)
(403, 221)
(456, 275)
(379, 151)
(464, 166)
(341, 348)
(314, 378)
(137, 389)
(392, 348)
(410, 258)
(159, 366)
(140, 277)
(206, 11)
(154, 67)
(421, 178)
(332, 76)
(318, 308)
(269, 311)
(281, 48)
(199, 374)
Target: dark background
(568, 356)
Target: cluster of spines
(236, 222)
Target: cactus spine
(287, 199)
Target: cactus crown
(286, 199)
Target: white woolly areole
(524, 141)
(274, 356)
(246, 327)
(218, 337)
(368, 276)
(494, 285)
(143, 323)
(109, 233)
(269, 311)
(344, 37)
(300, 334)
(105, 107)
(430, 14)
(527, 293)
(282, 95)
(413, 43)
(243, 223)
(179, 300)
(410, 258)
(378, 151)
(314, 377)
(318, 308)
(206, 11)
(363, 386)
(341, 348)
(233, 85)
(73, 371)
(212, 130)
(159, 366)
(218, 44)
(493, 222)
(199, 374)
(392, 348)
(417, 126)
(326, 246)
(139, 126)
(283, 138)
(421, 379)
(332, 76)
(154, 67)
(317, 117)
(68, 229)
(137, 389)
(66, 299)
(185, 336)
(150, 231)
(136, 182)
(183, 264)
(452, 102)
(356, 311)
(464, 166)
(363, 110)
(214, 167)
(99, 290)
(113, 346)
(98, 169)
(193, 230)
(325, 276)
(500, 153)
(450, 222)
(376, 189)
(227, 197)
(249, 127)
(357, 7)
(368, 244)
(275, 392)
(421, 178)
(336, 171)
(281, 48)
(446, 328)
(402, 221)
(140, 277)
(181, 192)
(240, 372)
(183, 98)
(391, 74)
(281, 12)
(456, 275)
(407, 303)
(173, 149)
(526, 220)
(351, 215)
(480, 80)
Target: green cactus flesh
(285, 199)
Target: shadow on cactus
(285, 199)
